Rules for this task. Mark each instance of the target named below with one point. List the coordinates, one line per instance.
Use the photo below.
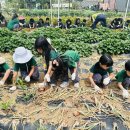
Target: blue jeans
(100, 18)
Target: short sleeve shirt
(4, 67)
(97, 69)
(121, 76)
(25, 66)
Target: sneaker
(76, 85)
(64, 84)
(13, 88)
(53, 85)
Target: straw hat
(22, 55)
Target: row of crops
(84, 40)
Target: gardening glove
(106, 81)
(27, 79)
(44, 84)
(47, 77)
(2, 83)
(13, 88)
(97, 89)
(125, 93)
(73, 76)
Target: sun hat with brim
(21, 17)
(2, 60)
(22, 55)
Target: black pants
(60, 73)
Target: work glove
(73, 76)
(47, 77)
(97, 89)
(2, 83)
(13, 88)
(106, 81)
(125, 93)
(27, 79)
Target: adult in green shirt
(4, 71)
(25, 62)
(123, 79)
(44, 47)
(101, 73)
(13, 24)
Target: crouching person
(101, 73)
(71, 58)
(123, 79)
(5, 72)
(25, 62)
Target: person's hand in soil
(27, 78)
(2, 83)
(106, 81)
(98, 89)
(125, 93)
(47, 77)
(42, 86)
(73, 76)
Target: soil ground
(74, 106)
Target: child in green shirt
(123, 79)
(44, 47)
(4, 71)
(101, 73)
(25, 62)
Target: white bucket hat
(2, 60)
(22, 55)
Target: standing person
(2, 20)
(13, 24)
(5, 72)
(25, 62)
(101, 73)
(98, 17)
(44, 47)
(123, 79)
(47, 23)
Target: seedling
(21, 84)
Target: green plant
(21, 84)
(6, 105)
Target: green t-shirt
(73, 58)
(97, 69)
(121, 76)
(4, 67)
(12, 23)
(25, 66)
(53, 55)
